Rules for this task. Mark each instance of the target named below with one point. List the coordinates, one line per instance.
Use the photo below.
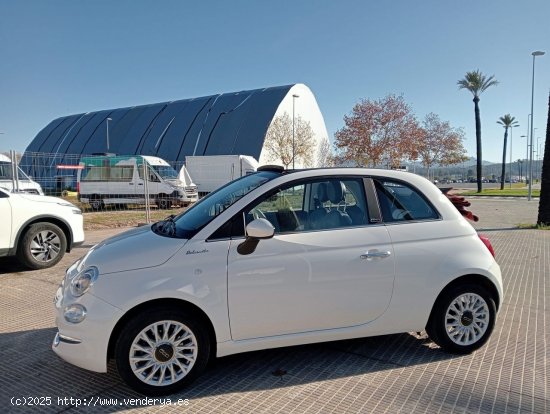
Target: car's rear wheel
(462, 319)
(43, 245)
(161, 351)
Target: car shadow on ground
(12, 265)
(40, 372)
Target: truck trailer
(211, 172)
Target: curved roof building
(228, 123)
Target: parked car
(119, 179)
(279, 258)
(38, 230)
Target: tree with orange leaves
(379, 132)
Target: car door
(322, 269)
(6, 222)
(422, 240)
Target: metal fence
(102, 183)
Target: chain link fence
(144, 187)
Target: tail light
(487, 243)
(78, 187)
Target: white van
(119, 179)
(26, 184)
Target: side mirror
(256, 230)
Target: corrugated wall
(229, 123)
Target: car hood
(134, 249)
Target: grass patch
(109, 219)
(507, 192)
(112, 216)
(533, 226)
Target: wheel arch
(179, 304)
(484, 281)
(62, 224)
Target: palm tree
(544, 202)
(476, 82)
(507, 121)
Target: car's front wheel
(161, 351)
(43, 245)
(462, 319)
(163, 202)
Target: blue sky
(60, 57)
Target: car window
(401, 202)
(191, 221)
(319, 204)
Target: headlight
(83, 280)
(74, 313)
(76, 211)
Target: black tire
(140, 323)
(42, 245)
(163, 202)
(476, 324)
(96, 203)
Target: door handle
(140, 183)
(131, 183)
(375, 254)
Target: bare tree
(440, 144)
(280, 146)
(325, 157)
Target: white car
(37, 229)
(274, 259)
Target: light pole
(107, 122)
(293, 105)
(534, 54)
(511, 140)
(527, 153)
(519, 165)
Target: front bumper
(85, 344)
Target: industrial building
(227, 123)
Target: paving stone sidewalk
(394, 373)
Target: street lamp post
(534, 54)
(293, 148)
(527, 153)
(107, 122)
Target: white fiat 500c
(274, 259)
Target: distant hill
(473, 161)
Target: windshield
(188, 223)
(6, 172)
(165, 171)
